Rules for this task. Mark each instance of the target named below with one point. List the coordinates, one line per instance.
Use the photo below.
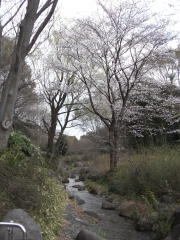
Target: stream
(111, 224)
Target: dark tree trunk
(114, 147)
(51, 135)
(23, 46)
(10, 90)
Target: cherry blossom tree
(112, 53)
(152, 112)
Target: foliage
(23, 127)
(59, 149)
(162, 221)
(86, 148)
(34, 190)
(154, 170)
(146, 176)
(51, 214)
(21, 147)
(30, 187)
(62, 146)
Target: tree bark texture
(51, 135)
(114, 147)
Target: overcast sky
(74, 8)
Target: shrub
(162, 222)
(32, 189)
(21, 149)
(21, 142)
(26, 185)
(51, 214)
(156, 171)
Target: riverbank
(90, 215)
(76, 219)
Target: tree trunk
(114, 148)
(51, 135)
(10, 90)
(23, 46)
(7, 107)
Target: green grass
(145, 177)
(97, 187)
(156, 171)
(101, 234)
(51, 214)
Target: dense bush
(26, 185)
(21, 149)
(156, 171)
(35, 191)
(147, 178)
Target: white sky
(76, 8)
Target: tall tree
(61, 91)
(28, 32)
(112, 53)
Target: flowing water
(111, 224)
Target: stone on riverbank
(73, 176)
(79, 187)
(87, 235)
(127, 209)
(79, 200)
(143, 225)
(108, 206)
(21, 217)
(92, 214)
(175, 231)
(64, 180)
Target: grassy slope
(28, 186)
(145, 178)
